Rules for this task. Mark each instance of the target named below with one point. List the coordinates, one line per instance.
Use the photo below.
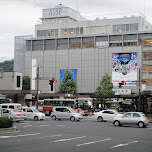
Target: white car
(65, 113)
(137, 118)
(12, 114)
(31, 113)
(105, 115)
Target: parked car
(137, 118)
(32, 113)
(12, 114)
(105, 115)
(65, 113)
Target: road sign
(137, 83)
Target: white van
(16, 106)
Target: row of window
(77, 45)
(89, 30)
(125, 28)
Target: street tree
(26, 83)
(105, 87)
(68, 84)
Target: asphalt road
(86, 135)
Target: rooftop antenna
(77, 5)
(144, 7)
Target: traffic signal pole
(37, 91)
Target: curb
(7, 130)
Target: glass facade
(147, 61)
(125, 28)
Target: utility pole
(37, 91)
(140, 104)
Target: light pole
(140, 105)
(37, 91)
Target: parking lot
(86, 135)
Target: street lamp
(37, 91)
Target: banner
(124, 68)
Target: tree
(7, 66)
(68, 85)
(26, 83)
(105, 87)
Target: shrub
(5, 122)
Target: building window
(18, 81)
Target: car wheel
(53, 117)
(141, 124)
(72, 118)
(100, 119)
(36, 118)
(117, 123)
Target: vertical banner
(34, 66)
(124, 68)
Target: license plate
(42, 117)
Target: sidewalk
(6, 130)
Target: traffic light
(51, 83)
(123, 83)
(120, 83)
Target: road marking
(68, 139)
(93, 142)
(50, 136)
(44, 125)
(27, 126)
(120, 145)
(61, 125)
(19, 135)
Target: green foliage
(68, 85)
(7, 66)
(26, 83)
(5, 122)
(105, 87)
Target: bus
(79, 105)
(4, 99)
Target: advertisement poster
(74, 73)
(124, 68)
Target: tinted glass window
(60, 109)
(127, 115)
(29, 110)
(136, 115)
(111, 112)
(107, 112)
(4, 106)
(5, 111)
(11, 107)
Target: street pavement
(86, 135)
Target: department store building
(120, 46)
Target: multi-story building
(90, 48)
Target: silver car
(12, 114)
(65, 113)
(137, 118)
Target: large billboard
(74, 74)
(124, 68)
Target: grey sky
(18, 17)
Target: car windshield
(72, 110)
(35, 110)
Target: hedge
(5, 122)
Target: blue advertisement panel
(74, 74)
(124, 68)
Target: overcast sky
(18, 17)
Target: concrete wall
(8, 81)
